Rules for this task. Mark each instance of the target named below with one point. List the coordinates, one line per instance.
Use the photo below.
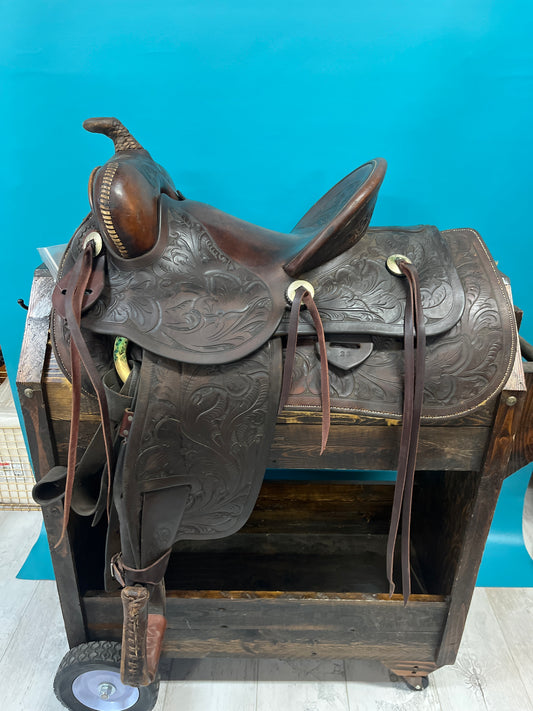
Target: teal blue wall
(258, 108)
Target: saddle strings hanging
(303, 295)
(79, 354)
(415, 351)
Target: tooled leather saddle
(193, 329)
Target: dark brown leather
(214, 426)
(334, 224)
(466, 365)
(302, 296)
(134, 669)
(202, 298)
(73, 302)
(339, 219)
(356, 294)
(155, 633)
(124, 193)
(413, 391)
(151, 574)
(221, 311)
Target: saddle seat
(125, 195)
(334, 224)
(188, 280)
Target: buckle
(116, 569)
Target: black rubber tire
(96, 656)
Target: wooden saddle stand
(182, 352)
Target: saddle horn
(115, 130)
(124, 193)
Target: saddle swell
(124, 193)
(403, 322)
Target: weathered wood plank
(522, 453)
(480, 418)
(30, 374)
(368, 447)
(33, 403)
(491, 674)
(322, 506)
(376, 448)
(33, 350)
(495, 463)
(370, 627)
(254, 644)
(442, 507)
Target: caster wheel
(416, 683)
(88, 678)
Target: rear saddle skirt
(226, 323)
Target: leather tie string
(415, 348)
(302, 295)
(79, 354)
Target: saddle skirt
(470, 326)
(189, 302)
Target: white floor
(494, 670)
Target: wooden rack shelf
(305, 577)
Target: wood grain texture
(376, 448)
(30, 376)
(365, 626)
(327, 507)
(496, 459)
(41, 445)
(493, 671)
(522, 453)
(369, 626)
(442, 507)
(480, 418)
(33, 346)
